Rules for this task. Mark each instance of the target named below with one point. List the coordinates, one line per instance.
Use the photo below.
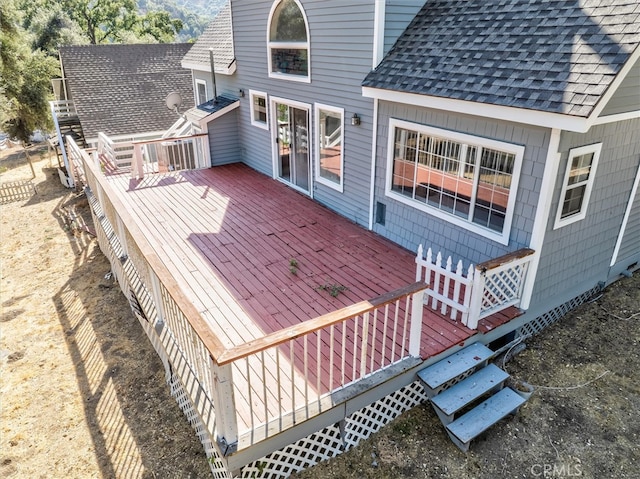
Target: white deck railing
(158, 155)
(486, 288)
(294, 372)
(260, 388)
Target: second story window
(201, 92)
(288, 41)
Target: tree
(24, 79)
(114, 20)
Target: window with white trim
(329, 145)
(577, 185)
(464, 179)
(201, 92)
(288, 41)
(259, 115)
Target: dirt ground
(82, 393)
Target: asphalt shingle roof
(121, 89)
(217, 36)
(556, 56)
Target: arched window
(288, 41)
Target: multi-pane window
(465, 177)
(329, 145)
(578, 181)
(288, 41)
(258, 109)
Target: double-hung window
(577, 185)
(288, 41)
(467, 180)
(259, 109)
(329, 146)
(201, 92)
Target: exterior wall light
(355, 120)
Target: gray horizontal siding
(410, 227)
(577, 256)
(398, 15)
(341, 39)
(224, 141)
(627, 97)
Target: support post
(475, 306)
(415, 331)
(224, 405)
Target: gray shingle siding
(630, 245)
(577, 256)
(410, 227)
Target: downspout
(552, 163)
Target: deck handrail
(169, 139)
(269, 384)
(312, 325)
(211, 342)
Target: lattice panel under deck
(178, 392)
(328, 443)
(541, 322)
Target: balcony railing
(485, 289)
(159, 155)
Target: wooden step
(482, 417)
(434, 377)
(452, 400)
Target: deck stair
(469, 394)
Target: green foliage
(334, 289)
(293, 266)
(24, 78)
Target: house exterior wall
(577, 256)
(630, 244)
(398, 14)
(410, 227)
(627, 97)
(341, 38)
(224, 141)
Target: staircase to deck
(469, 394)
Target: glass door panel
(293, 145)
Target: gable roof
(121, 89)
(554, 56)
(218, 36)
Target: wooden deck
(229, 234)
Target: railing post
(226, 431)
(415, 331)
(477, 293)
(136, 167)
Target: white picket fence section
(484, 290)
(449, 290)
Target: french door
(292, 152)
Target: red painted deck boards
(228, 234)
(235, 228)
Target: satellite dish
(174, 101)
